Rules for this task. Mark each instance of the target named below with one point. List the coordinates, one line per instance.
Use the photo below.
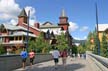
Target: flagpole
(98, 50)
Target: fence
(102, 62)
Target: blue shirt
(24, 54)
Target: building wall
(55, 30)
(100, 36)
(35, 32)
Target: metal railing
(101, 59)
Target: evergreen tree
(74, 49)
(95, 50)
(104, 48)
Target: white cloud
(13, 21)
(32, 10)
(32, 21)
(9, 9)
(73, 26)
(85, 37)
(84, 28)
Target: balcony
(17, 41)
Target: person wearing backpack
(24, 56)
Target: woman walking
(31, 56)
(64, 56)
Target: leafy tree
(92, 46)
(2, 50)
(88, 43)
(32, 45)
(81, 49)
(39, 44)
(62, 42)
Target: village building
(14, 37)
(102, 29)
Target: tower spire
(23, 13)
(63, 20)
(63, 14)
(22, 18)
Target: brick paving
(73, 64)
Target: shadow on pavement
(69, 67)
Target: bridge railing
(102, 60)
(11, 62)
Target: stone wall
(11, 62)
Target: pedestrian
(84, 55)
(31, 56)
(64, 55)
(24, 56)
(56, 55)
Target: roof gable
(102, 27)
(47, 23)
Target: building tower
(22, 18)
(63, 20)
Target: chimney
(36, 25)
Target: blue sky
(81, 13)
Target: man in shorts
(56, 55)
(24, 57)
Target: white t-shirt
(55, 54)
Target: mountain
(79, 41)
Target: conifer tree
(104, 48)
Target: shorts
(23, 59)
(31, 60)
(56, 60)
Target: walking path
(73, 64)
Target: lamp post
(98, 50)
(28, 28)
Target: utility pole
(98, 49)
(28, 28)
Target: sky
(80, 13)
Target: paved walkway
(73, 64)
